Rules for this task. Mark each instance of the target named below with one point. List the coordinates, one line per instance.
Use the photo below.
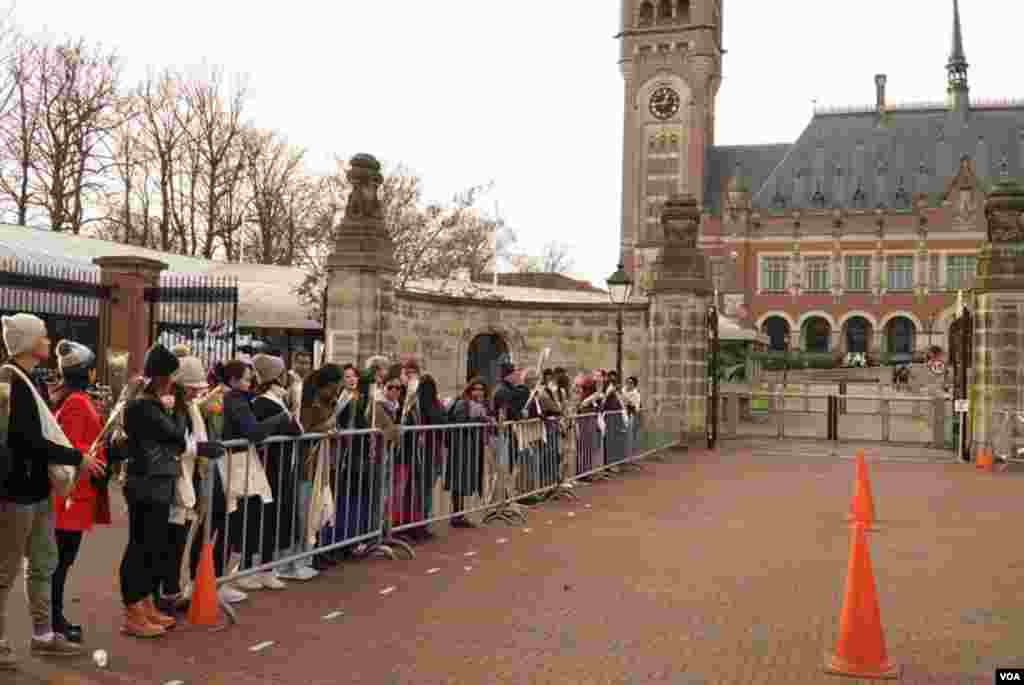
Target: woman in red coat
(76, 514)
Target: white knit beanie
(21, 331)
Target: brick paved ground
(710, 568)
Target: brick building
(856, 237)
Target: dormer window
(683, 12)
(646, 17)
(664, 11)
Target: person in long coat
(465, 474)
(89, 502)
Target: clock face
(664, 102)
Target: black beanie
(160, 362)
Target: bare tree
(274, 175)
(19, 130)
(555, 258)
(214, 140)
(78, 100)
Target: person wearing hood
(89, 502)
(35, 441)
(156, 425)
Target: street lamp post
(785, 353)
(620, 288)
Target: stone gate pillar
(999, 320)
(677, 338)
(360, 272)
(125, 323)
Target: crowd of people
(165, 443)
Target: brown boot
(155, 617)
(137, 624)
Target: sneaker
(296, 572)
(231, 595)
(271, 582)
(8, 659)
(58, 645)
(250, 583)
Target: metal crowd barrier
(292, 498)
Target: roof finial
(957, 65)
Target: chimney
(880, 93)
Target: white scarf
(184, 507)
(62, 477)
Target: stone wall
(438, 329)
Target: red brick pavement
(710, 568)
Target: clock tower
(671, 57)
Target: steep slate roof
(755, 163)
(917, 149)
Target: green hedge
(776, 361)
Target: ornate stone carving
(1001, 260)
(680, 219)
(962, 190)
(366, 179)
(1004, 210)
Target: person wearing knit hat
(172, 593)
(159, 362)
(268, 368)
(23, 333)
(158, 428)
(89, 502)
(35, 442)
(192, 373)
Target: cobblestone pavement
(723, 567)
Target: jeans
(303, 497)
(26, 531)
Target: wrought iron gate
(711, 324)
(198, 311)
(961, 356)
(69, 300)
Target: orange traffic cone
(860, 647)
(203, 609)
(984, 461)
(862, 507)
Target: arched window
(485, 353)
(776, 328)
(900, 338)
(646, 14)
(858, 335)
(664, 11)
(815, 335)
(683, 12)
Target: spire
(956, 68)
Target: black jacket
(511, 399)
(241, 423)
(155, 443)
(30, 453)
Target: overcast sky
(528, 93)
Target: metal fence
(886, 416)
(291, 498)
(199, 311)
